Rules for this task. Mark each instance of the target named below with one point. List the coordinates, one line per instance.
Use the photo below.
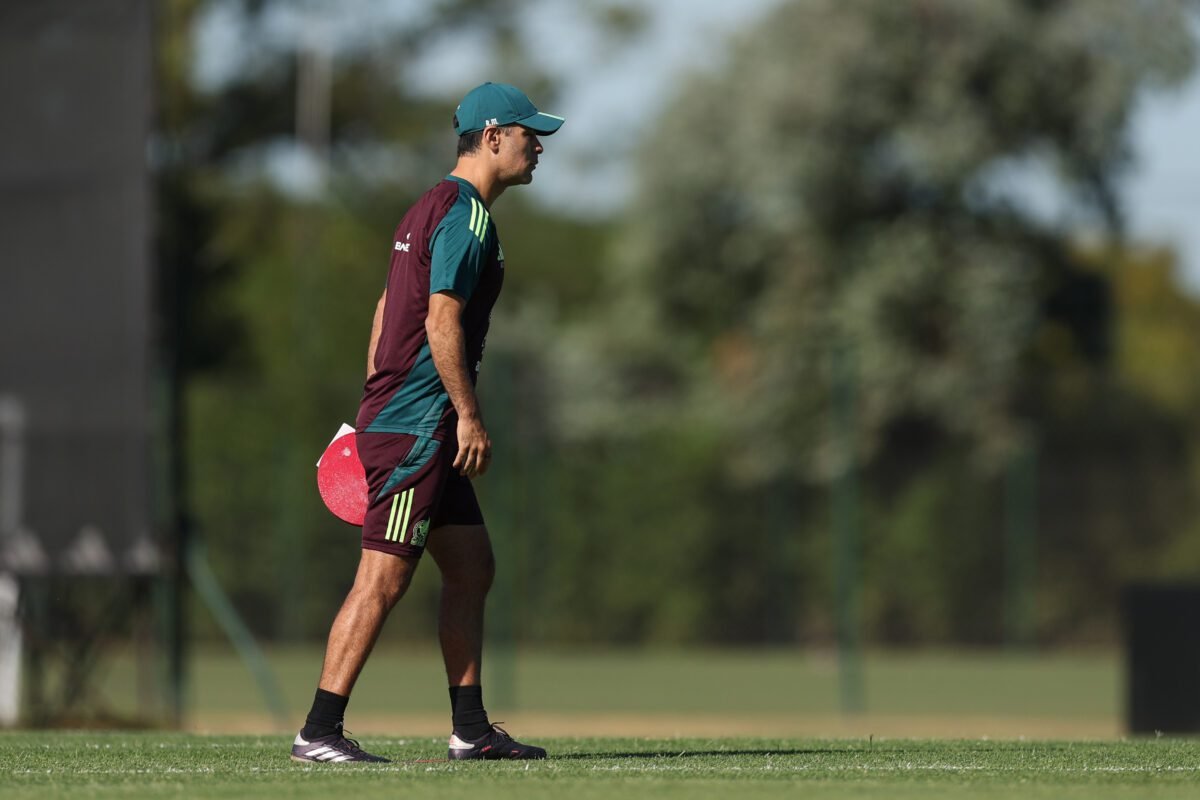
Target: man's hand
(474, 447)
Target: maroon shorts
(412, 490)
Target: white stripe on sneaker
(316, 752)
(458, 744)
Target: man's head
(501, 104)
(511, 151)
(498, 121)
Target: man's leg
(463, 553)
(381, 581)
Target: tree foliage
(839, 184)
(844, 192)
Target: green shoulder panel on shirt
(459, 246)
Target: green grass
(104, 765)
(793, 692)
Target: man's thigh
(462, 551)
(459, 540)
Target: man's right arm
(448, 346)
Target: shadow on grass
(651, 754)
(857, 752)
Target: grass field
(670, 724)
(787, 693)
(104, 765)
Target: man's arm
(448, 345)
(376, 327)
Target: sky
(617, 88)
(1163, 190)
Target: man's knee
(464, 555)
(383, 579)
(386, 595)
(473, 572)
(487, 570)
(477, 572)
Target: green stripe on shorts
(408, 498)
(391, 518)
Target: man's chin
(518, 179)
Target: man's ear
(491, 137)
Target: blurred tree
(1120, 445)
(839, 180)
(850, 178)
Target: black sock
(328, 711)
(466, 705)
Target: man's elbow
(440, 327)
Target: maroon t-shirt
(446, 242)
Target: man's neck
(473, 171)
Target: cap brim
(544, 124)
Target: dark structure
(82, 523)
(1162, 646)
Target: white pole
(12, 474)
(10, 651)
(314, 93)
(12, 467)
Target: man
(420, 432)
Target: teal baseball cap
(501, 104)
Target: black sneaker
(332, 749)
(493, 745)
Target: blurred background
(844, 377)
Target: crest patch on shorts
(419, 532)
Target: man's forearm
(448, 345)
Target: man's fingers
(474, 455)
(467, 456)
(475, 459)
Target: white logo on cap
(492, 121)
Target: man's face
(518, 156)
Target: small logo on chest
(403, 246)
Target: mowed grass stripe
(1084, 687)
(62, 765)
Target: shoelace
(354, 746)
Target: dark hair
(469, 142)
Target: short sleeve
(457, 249)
